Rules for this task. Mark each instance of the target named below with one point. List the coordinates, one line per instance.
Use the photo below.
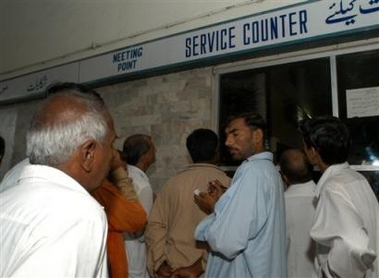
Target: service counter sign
(294, 24)
(284, 26)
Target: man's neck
(323, 167)
(142, 166)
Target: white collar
(51, 174)
(330, 171)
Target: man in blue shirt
(246, 232)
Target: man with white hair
(50, 226)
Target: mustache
(233, 151)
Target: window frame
(331, 52)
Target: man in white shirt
(139, 153)
(11, 177)
(50, 226)
(300, 200)
(346, 222)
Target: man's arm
(239, 215)
(339, 226)
(123, 215)
(155, 236)
(124, 211)
(120, 177)
(192, 271)
(207, 201)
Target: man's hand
(164, 271)
(216, 189)
(192, 271)
(207, 201)
(117, 162)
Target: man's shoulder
(194, 171)
(301, 190)
(201, 167)
(258, 168)
(342, 180)
(50, 200)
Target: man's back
(175, 216)
(142, 187)
(300, 207)
(11, 177)
(51, 213)
(134, 242)
(352, 224)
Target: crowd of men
(77, 207)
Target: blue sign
(307, 21)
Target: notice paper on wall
(363, 102)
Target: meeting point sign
(308, 21)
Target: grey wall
(14, 122)
(166, 107)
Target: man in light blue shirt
(246, 232)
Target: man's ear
(313, 152)
(314, 156)
(87, 154)
(258, 135)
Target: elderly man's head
(74, 132)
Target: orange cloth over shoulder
(123, 216)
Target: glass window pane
(283, 94)
(358, 74)
(373, 179)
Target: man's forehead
(235, 124)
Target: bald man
(299, 201)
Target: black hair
(329, 136)
(134, 147)
(253, 120)
(202, 145)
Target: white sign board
(294, 24)
(362, 102)
(36, 83)
(308, 21)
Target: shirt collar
(330, 171)
(136, 170)
(261, 156)
(54, 175)
(195, 166)
(301, 187)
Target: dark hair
(2, 148)
(329, 136)
(202, 145)
(73, 88)
(253, 120)
(295, 166)
(134, 147)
